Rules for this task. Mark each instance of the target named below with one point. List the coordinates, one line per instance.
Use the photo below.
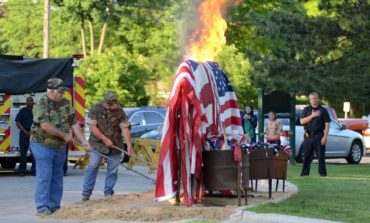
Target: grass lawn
(342, 196)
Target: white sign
(346, 106)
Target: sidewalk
(243, 216)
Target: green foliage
(237, 66)
(21, 28)
(296, 45)
(315, 46)
(118, 71)
(342, 196)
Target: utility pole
(46, 28)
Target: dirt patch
(142, 207)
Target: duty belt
(310, 134)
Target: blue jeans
(49, 176)
(92, 171)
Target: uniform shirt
(316, 124)
(25, 117)
(109, 124)
(59, 114)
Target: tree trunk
(83, 39)
(92, 40)
(105, 26)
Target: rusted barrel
(264, 165)
(221, 170)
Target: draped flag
(202, 104)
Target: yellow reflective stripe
(79, 90)
(68, 96)
(80, 109)
(5, 144)
(5, 107)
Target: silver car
(342, 143)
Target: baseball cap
(57, 84)
(110, 97)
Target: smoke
(189, 22)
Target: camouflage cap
(110, 97)
(57, 84)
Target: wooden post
(292, 127)
(238, 185)
(261, 124)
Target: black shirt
(316, 124)
(25, 117)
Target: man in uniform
(316, 121)
(53, 119)
(24, 123)
(109, 127)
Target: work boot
(85, 198)
(44, 213)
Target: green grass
(342, 196)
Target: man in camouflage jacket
(53, 119)
(109, 127)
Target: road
(17, 193)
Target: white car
(342, 143)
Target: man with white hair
(53, 120)
(316, 121)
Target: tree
(326, 51)
(116, 71)
(237, 68)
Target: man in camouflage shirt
(53, 119)
(109, 127)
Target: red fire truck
(21, 78)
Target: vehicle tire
(355, 153)
(299, 158)
(8, 163)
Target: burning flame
(208, 39)
(172, 201)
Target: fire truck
(20, 78)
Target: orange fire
(208, 39)
(172, 201)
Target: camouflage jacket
(108, 124)
(59, 114)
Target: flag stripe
(202, 104)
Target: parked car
(145, 119)
(366, 133)
(342, 142)
(142, 120)
(355, 124)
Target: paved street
(17, 195)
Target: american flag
(202, 104)
(229, 108)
